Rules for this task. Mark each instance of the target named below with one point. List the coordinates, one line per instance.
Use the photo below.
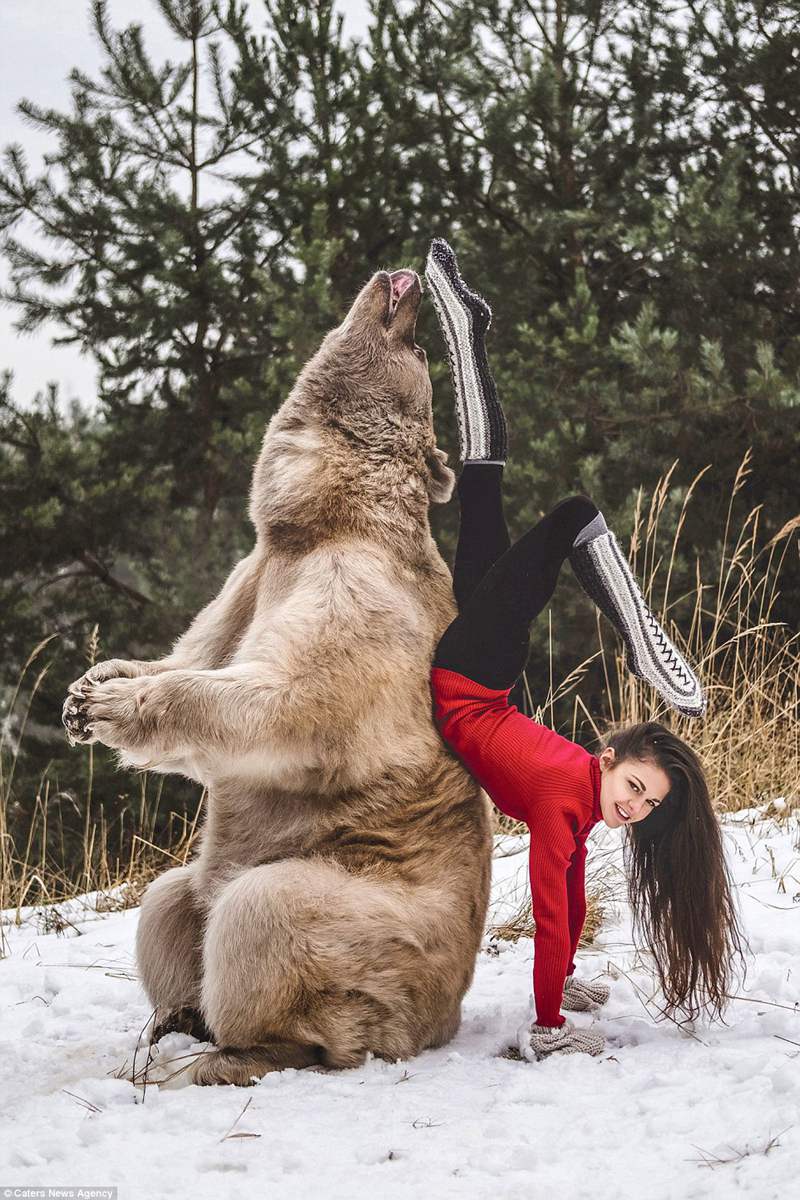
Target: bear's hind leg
(242, 1066)
(305, 964)
(169, 953)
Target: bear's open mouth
(400, 282)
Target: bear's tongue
(401, 282)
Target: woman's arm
(533, 775)
(549, 863)
(576, 900)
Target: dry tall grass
(117, 859)
(749, 740)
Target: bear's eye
(420, 353)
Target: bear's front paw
(74, 714)
(75, 719)
(117, 712)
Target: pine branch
(98, 569)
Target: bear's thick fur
(338, 899)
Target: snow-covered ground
(663, 1113)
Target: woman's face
(630, 788)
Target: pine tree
(200, 225)
(155, 256)
(167, 248)
(635, 243)
(589, 186)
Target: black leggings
(499, 588)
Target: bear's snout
(388, 298)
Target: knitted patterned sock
(604, 574)
(465, 318)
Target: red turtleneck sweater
(550, 783)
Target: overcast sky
(40, 41)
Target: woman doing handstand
(646, 779)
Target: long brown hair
(678, 882)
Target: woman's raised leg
(500, 590)
(465, 317)
(488, 640)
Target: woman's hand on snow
(582, 996)
(566, 1039)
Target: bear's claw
(75, 718)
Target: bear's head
(357, 429)
(372, 360)
(375, 377)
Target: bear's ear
(441, 480)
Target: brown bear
(338, 899)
